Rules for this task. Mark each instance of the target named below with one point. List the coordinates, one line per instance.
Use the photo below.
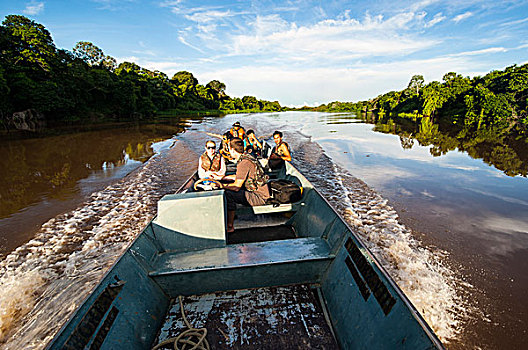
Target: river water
(451, 230)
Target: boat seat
(269, 208)
(244, 265)
(242, 255)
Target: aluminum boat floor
(288, 317)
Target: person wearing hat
(238, 131)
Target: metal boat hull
(186, 251)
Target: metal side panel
(314, 217)
(125, 311)
(366, 311)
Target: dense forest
(85, 85)
(487, 117)
(498, 99)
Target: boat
(291, 276)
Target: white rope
(190, 339)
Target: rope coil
(190, 339)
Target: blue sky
(296, 52)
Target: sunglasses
(210, 147)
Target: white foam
(419, 271)
(44, 281)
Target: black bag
(284, 191)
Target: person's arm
(214, 135)
(240, 177)
(259, 144)
(202, 173)
(285, 153)
(235, 186)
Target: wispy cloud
(277, 53)
(436, 19)
(514, 23)
(170, 3)
(34, 8)
(208, 16)
(462, 16)
(331, 39)
(183, 41)
(420, 5)
(481, 52)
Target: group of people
(249, 184)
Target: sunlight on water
(432, 287)
(45, 280)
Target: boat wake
(44, 280)
(423, 273)
(420, 272)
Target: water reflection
(494, 146)
(51, 166)
(463, 192)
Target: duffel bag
(284, 191)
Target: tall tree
(93, 55)
(434, 98)
(185, 83)
(416, 84)
(216, 89)
(32, 44)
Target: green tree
(184, 83)
(31, 43)
(416, 84)
(434, 98)
(93, 55)
(250, 103)
(89, 53)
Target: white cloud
(144, 52)
(514, 23)
(208, 16)
(436, 19)
(33, 8)
(422, 4)
(481, 52)
(462, 16)
(170, 3)
(183, 41)
(340, 58)
(330, 40)
(293, 86)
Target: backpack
(260, 179)
(284, 191)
